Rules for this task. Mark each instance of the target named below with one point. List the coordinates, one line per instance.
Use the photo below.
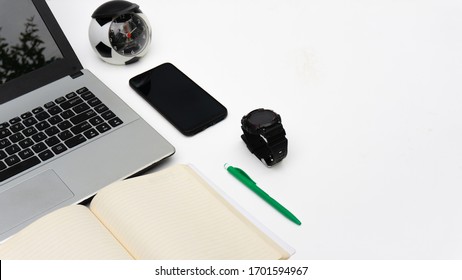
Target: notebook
(171, 214)
(63, 133)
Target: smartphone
(179, 99)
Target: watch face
(262, 118)
(128, 34)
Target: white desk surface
(370, 95)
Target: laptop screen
(33, 48)
(25, 42)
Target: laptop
(63, 134)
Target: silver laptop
(63, 134)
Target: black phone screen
(178, 98)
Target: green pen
(248, 182)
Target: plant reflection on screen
(26, 56)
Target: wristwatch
(264, 136)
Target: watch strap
(270, 146)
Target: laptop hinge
(76, 74)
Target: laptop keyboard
(49, 130)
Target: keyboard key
(39, 137)
(55, 110)
(29, 131)
(2, 155)
(81, 127)
(94, 102)
(103, 127)
(65, 125)
(5, 133)
(17, 127)
(87, 95)
(83, 117)
(39, 147)
(91, 133)
(52, 141)
(15, 120)
(55, 120)
(45, 155)
(42, 125)
(13, 149)
(27, 153)
(48, 105)
(60, 100)
(52, 131)
(67, 114)
(108, 115)
(2, 166)
(60, 148)
(12, 160)
(30, 121)
(26, 115)
(18, 168)
(4, 125)
(26, 143)
(76, 140)
(71, 95)
(71, 103)
(16, 137)
(37, 110)
(101, 108)
(65, 135)
(96, 121)
(81, 108)
(4, 143)
(81, 90)
(43, 115)
(115, 122)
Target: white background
(370, 97)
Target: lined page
(71, 232)
(173, 214)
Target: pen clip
(244, 174)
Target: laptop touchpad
(31, 198)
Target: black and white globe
(119, 32)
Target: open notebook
(170, 214)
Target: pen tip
(226, 165)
